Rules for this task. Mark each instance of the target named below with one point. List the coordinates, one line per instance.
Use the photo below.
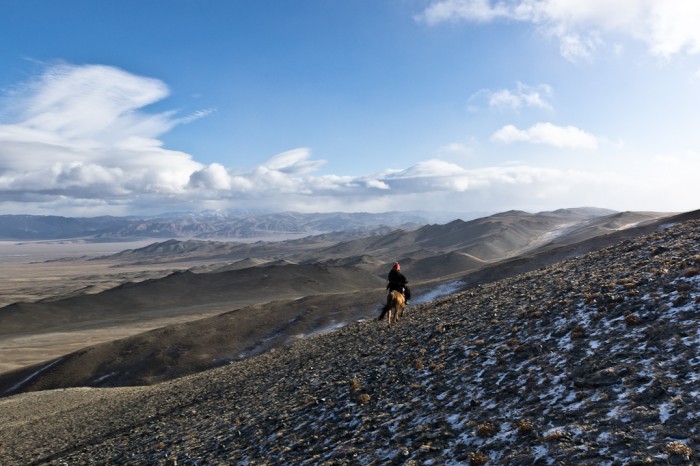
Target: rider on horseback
(397, 282)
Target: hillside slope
(183, 290)
(182, 349)
(593, 360)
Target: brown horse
(397, 305)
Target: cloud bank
(667, 27)
(78, 141)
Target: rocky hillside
(593, 360)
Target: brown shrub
(355, 384)
(691, 272)
(436, 367)
(525, 426)
(363, 398)
(419, 365)
(486, 429)
(633, 319)
(578, 332)
(477, 458)
(680, 449)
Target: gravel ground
(593, 360)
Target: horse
(396, 303)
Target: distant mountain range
(210, 225)
(433, 249)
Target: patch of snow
(100, 379)
(32, 375)
(324, 330)
(444, 289)
(542, 452)
(615, 412)
(665, 412)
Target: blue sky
(141, 107)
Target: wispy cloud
(549, 134)
(668, 27)
(79, 132)
(521, 96)
(79, 142)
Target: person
(397, 282)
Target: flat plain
(50, 270)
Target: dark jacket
(397, 281)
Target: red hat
(396, 266)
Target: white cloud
(549, 134)
(79, 132)
(522, 96)
(54, 159)
(463, 10)
(668, 27)
(212, 177)
(295, 161)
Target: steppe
(558, 352)
(63, 296)
(34, 271)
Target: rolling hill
(266, 309)
(588, 359)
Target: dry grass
(436, 367)
(525, 426)
(680, 449)
(578, 332)
(477, 458)
(632, 319)
(555, 436)
(486, 429)
(355, 384)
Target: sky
(140, 107)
